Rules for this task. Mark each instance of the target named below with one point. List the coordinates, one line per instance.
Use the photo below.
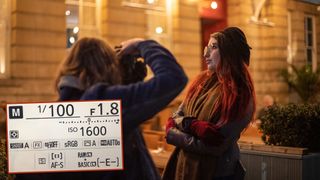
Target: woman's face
(211, 54)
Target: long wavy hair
(92, 60)
(236, 85)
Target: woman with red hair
(218, 107)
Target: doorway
(213, 19)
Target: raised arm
(141, 101)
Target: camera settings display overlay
(64, 136)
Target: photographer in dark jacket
(91, 72)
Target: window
(82, 17)
(5, 11)
(159, 18)
(309, 26)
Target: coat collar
(70, 81)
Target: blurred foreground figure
(91, 72)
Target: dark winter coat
(140, 101)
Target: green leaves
(303, 81)
(294, 125)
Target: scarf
(202, 104)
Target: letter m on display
(15, 112)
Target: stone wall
(270, 43)
(298, 12)
(187, 37)
(37, 47)
(38, 41)
(121, 22)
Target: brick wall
(37, 47)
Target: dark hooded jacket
(140, 101)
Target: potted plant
(293, 125)
(290, 132)
(292, 138)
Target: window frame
(82, 4)
(310, 48)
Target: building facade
(35, 36)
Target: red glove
(207, 132)
(170, 124)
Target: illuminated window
(159, 18)
(82, 20)
(5, 37)
(309, 26)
